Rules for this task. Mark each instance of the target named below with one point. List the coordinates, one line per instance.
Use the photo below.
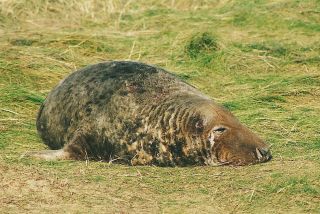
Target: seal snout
(263, 154)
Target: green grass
(260, 59)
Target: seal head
(231, 142)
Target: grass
(260, 59)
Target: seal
(138, 114)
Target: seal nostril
(265, 154)
(264, 151)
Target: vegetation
(258, 58)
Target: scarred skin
(138, 114)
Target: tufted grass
(258, 58)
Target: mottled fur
(139, 114)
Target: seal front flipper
(88, 144)
(79, 146)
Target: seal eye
(219, 129)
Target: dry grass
(265, 69)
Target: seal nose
(263, 154)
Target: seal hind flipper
(48, 155)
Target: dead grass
(265, 69)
